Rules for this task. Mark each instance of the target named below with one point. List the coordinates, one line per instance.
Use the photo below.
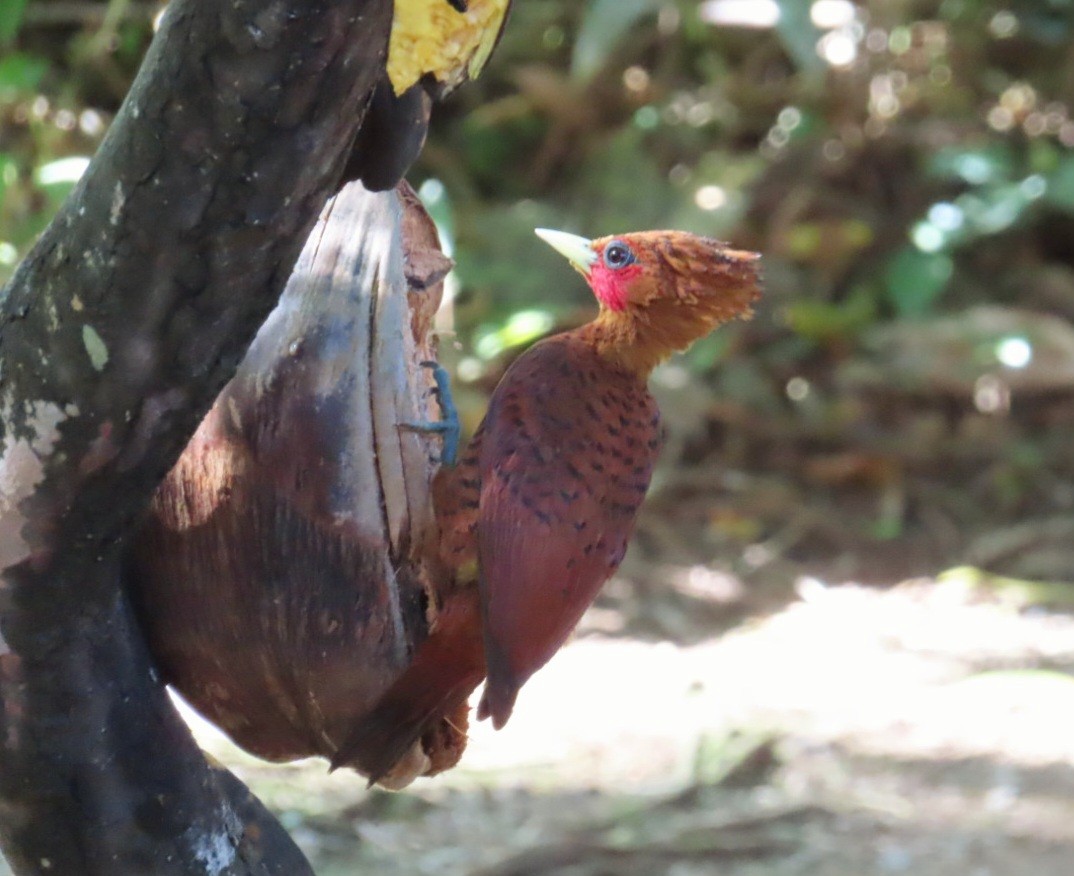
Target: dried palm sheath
(280, 576)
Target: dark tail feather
(445, 670)
(501, 688)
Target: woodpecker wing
(569, 447)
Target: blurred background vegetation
(901, 404)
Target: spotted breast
(564, 460)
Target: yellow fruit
(430, 36)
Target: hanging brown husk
(284, 575)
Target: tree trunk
(116, 333)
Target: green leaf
(21, 73)
(10, 19)
(824, 320)
(9, 173)
(799, 35)
(976, 166)
(520, 329)
(1061, 185)
(915, 279)
(993, 209)
(707, 352)
(604, 24)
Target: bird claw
(459, 5)
(448, 426)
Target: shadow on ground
(924, 728)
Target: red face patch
(610, 284)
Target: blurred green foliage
(906, 167)
(10, 19)
(890, 159)
(64, 68)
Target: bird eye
(618, 255)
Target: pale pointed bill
(577, 250)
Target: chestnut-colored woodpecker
(537, 513)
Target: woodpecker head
(659, 291)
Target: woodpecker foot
(448, 426)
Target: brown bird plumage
(539, 510)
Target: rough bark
(116, 333)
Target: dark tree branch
(115, 335)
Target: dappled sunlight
(896, 672)
(919, 715)
(781, 679)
